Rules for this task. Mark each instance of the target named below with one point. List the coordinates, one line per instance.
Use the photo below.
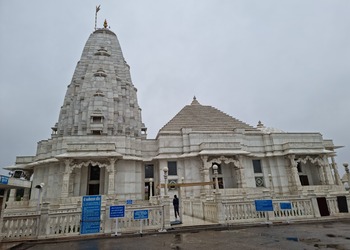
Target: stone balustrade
(225, 211)
(51, 222)
(24, 227)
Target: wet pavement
(330, 235)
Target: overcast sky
(286, 63)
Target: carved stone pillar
(26, 194)
(294, 171)
(336, 172)
(111, 176)
(322, 174)
(241, 182)
(325, 169)
(205, 171)
(12, 196)
(65, 180)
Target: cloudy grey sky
(285, 63)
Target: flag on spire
(97, 9)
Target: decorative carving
(319, 160)
(68, 169)
(235, 160)
(93, 163)
(110, 168)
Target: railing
(241, 211)
(210, 211)
(48, 223)
(20, 226)
(156, 217)
(333, 205)
(63, 224)
(301, 208)
(244, 211)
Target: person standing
(176, 206)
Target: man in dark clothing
(176, 206)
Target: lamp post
(40, 188)
(182, 188)
(165, 170)
(150, 187)
(215, 168)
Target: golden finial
(105, 24)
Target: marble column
(26, 194)
(111, 176)
(205, 172)
(65, 179)
(294, 170)
(336, 172)
(241, 175)
(326, 171)
(12, 196)
(321, 174)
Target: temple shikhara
(216, 164)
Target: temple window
(102, 52)
(257, 167)
(299, 167)
(149, 171)
(76, 89)
(94, 180)
(172, 166)
(96, 119)
(258, 173)
(304, 180)
(100, 73)
(99, 93)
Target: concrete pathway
(330, 235)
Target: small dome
(194, 101)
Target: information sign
(91, 214)
(4, 179)
(140, 214)
(128, 202)
(286, 205)
(263, 205)
(117, 211)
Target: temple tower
(96, 145)
(101, 98)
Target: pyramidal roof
(203, 118)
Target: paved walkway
(191, 221)
(330, 235)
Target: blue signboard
(140, 214)
(4, 179)
(116, 211)
(286, 205)
(90, 214)
(128, 202)
(263, 205)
